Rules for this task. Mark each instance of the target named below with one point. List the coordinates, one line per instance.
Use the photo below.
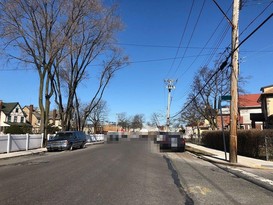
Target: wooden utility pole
(234, 84)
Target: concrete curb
(34, 151)
(242, 161)
(22, 153)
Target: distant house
(248, 105)
(54, 119)
(266, 100)
(11, 114)
(33, 116)
(256, 110)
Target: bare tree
(60, 39)
(38, 29)
(205, 103)
(191, 116)
(156, 119)
(109, 69)
(124, 121)
(93, 39)
(137, 121)
(99, 115)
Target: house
(54, 119)
(11, 114)
(256, 110)
(266, 100)
(248, 105)
(33, 116)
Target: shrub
(250, 143)
(18, 129)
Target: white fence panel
(3, 143)
(100, 137)
(13, 143)
(17, 143)
(35, 141)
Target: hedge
(250, 143)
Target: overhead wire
(256, 17)
(215, 47)
(223, 65)
(241, 33)
(191, 36)
(182, 37)
(218, 43)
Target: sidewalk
(33, 151)
(22, 153)
(217, 156)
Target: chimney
(30, 114)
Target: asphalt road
(128, 172)
(206, 183)
(116, 173)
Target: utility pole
(234, 84)
(170, 87)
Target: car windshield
(64, 136)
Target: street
(116, 173)
(206, 183)
(125, 172)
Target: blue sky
(152, 33)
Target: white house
(11, 114)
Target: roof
(8, 107)
(250, 100)
(269, 86)
(35, 112)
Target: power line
(182, 37)
(195, 26)
(224, 64)
(218, 43)
(256, 17)
(161, 46)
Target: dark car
(67, 140)
(171, 141)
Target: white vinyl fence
(20, 142)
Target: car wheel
(71, 147)
(182, 149)
(82, 145)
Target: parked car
(67, 140)
(171, 141)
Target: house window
(15, 118)
(17, 110)
(22, 119)
(9, 118)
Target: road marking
(199, 189)
(262, 179)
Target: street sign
(226, 97)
